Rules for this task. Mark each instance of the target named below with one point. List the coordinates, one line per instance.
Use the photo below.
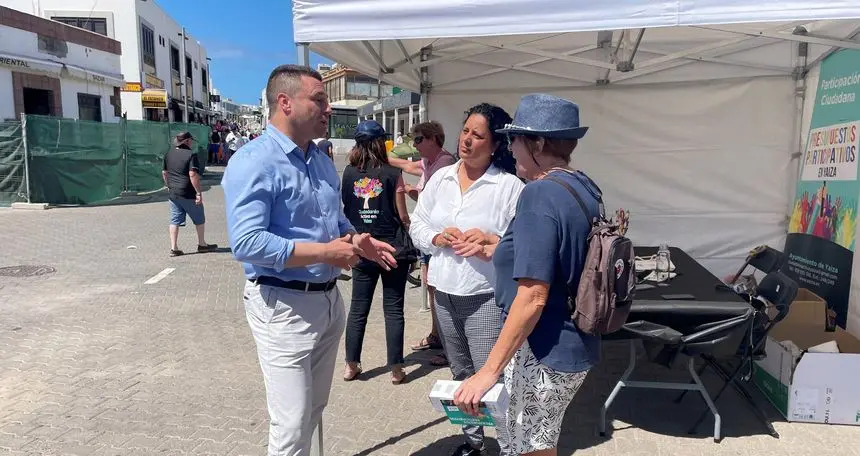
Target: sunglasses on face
(418, 139)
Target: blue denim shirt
(275, 196)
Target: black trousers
(364, 278)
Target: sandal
(439, 360)
(429, 342)
(398, 376)
(351, 371)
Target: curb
(30, 206)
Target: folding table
(715, 324)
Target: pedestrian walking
(214, 145)
(181, 174)
(233, 141)
(287, 228)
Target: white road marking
(156, 278)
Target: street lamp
(209, 85)
(183, 75)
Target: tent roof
(514, 45)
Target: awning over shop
(154, 99)
(98, 77)
(30, 64)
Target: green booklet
(492, 407)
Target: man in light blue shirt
(287, 228)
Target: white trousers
(297, 336)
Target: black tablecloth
(712, 303)
(692, 279)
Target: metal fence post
(124, 138)
(26, 154)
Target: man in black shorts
(181, 174)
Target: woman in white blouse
(460, 217)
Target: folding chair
(763, 258)
(722, 337)
(773, 299)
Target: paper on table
(656, 277)
(650, 264)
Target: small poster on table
(821, 235)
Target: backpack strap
(571, 305)
(590, 186)
(574, 193)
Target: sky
(244, 39)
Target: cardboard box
(806, 386)
(493, 405)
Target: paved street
(93, 361)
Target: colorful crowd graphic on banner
(820, 242)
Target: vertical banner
(820, 243)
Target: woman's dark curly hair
(497, 118)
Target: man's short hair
(432, 129)
(287, 79)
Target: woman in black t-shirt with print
(374, 201)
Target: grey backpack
(606, 287)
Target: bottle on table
(664, 262)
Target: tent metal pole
(522, 66)
(547, 54)
(668, 65)
(627, 65)
(604, 41)
(424, 81)
(851, 36)
(788, 36)
(800, 73)
(303, 54)
(425, 84)
(408, 57)
(377, 57)
(438, 47)
(303, 57)
(709, 48)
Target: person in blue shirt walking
(540, 351)
(286, 227)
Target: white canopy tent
(696, 108)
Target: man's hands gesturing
(375, 250)
(342, 253)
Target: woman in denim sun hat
(542, 354)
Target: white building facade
(157, 73)
(49, 68)
(264, 108)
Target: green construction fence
(12, 180)
(81, 162)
